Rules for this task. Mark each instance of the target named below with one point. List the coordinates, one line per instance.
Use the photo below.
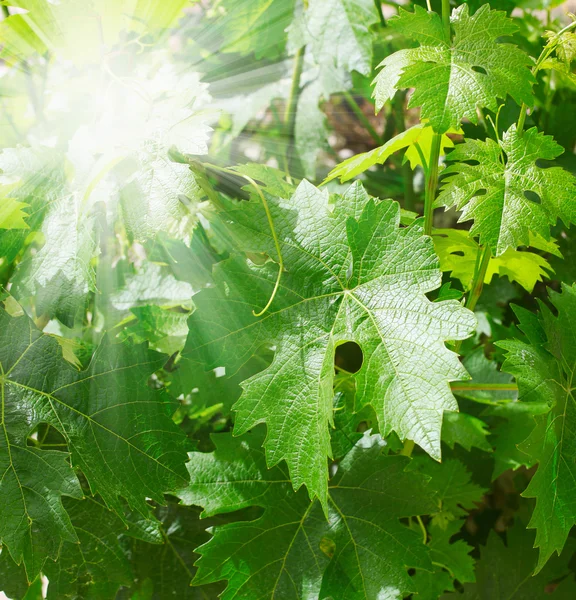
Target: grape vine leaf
(12, 214)
(459, 252)
(452, 78)
(161, 196)
(338, 33)
(291, 551)
(465, 430)
(166, 569)
(514, 423)
(417, 135)
(508, 195)
(351, 274)
(258, 26)
(13, 581)
(505, 571)
(34, 177)
(544, 368)
(118, 431)
(454, 491)
(96, 566)
(451, 561)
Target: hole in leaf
(479, 70)
(481, 192)
(471, 162)
(457, 253)
(544, 164)
(349, 357)
(532, 197)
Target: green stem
(431, 184)
(291, 106)
(407, 175)
(477, 285)
(422, 529)
(478, 282)
(362, 117)
(272, 231)
(483, 387)
(446, 17)
(378, 6)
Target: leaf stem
(478, 282)
(270, 224)
(378, 6)
(431, 183)
(423, 529)
(446, 17)
(291, 106)
(362, 117)
(477, 285)
(483, 387)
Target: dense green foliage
(287, 300)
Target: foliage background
(131, 133)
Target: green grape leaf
(118, 432)
(338, 33)
(37, 179)
(451, 79)
(417, 135)
(545, 369)
(95, 567)
(160, 197)
(258, 26)
(466, 430)
(12, 214)
(507, 194)
(13, 581)
(165, 330)
(152, 284)
(349, 426)
(455, 492)
(60, 274)
(505, 571)
(166, 569)
(351, 274)
(291, 551)
(514, 423)
(451, 561)
(459, 255)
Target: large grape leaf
(508, 195)
(118, 431)
(545, 367)
(451, 78)
(291, 551)
(350, 274)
